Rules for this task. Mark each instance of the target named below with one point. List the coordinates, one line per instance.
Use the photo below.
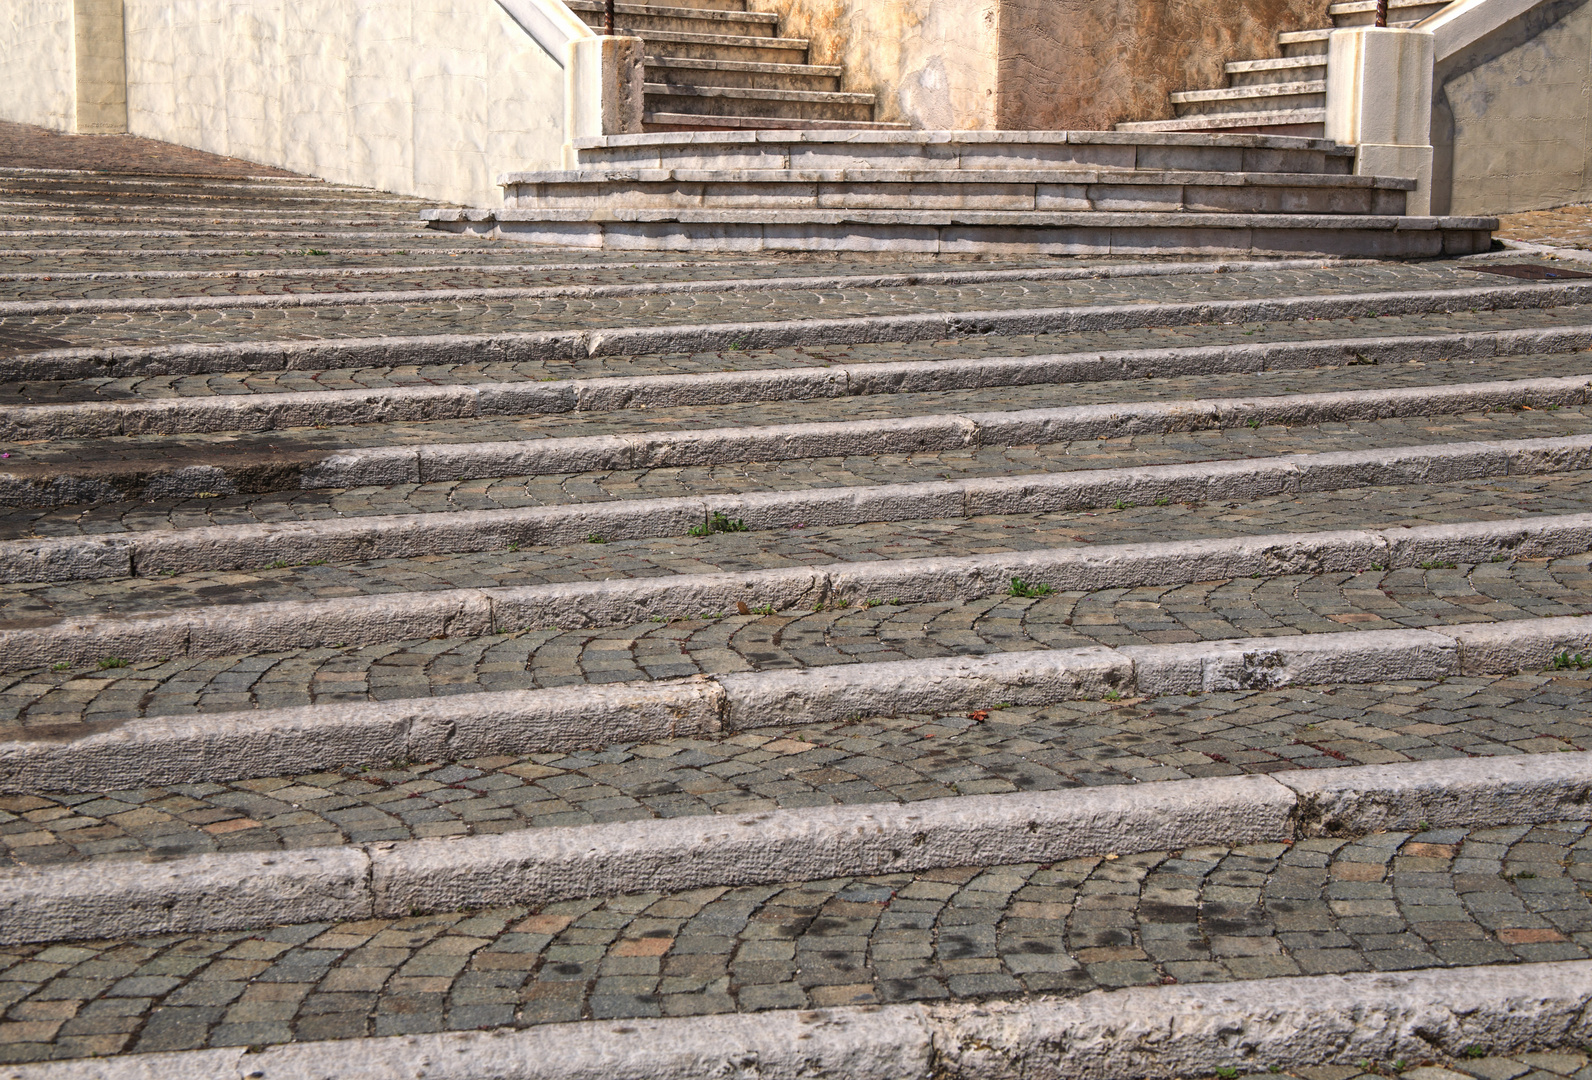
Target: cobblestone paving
(1386, 902)
(1382, 507)
(330, 439)
(29, 147)
(877, 759)
(739, 477)
(57, 700)
(164, 386)
(478, 317)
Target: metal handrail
(608, 16)
(1381, 12)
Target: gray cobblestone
(905, 758)
(974, 932)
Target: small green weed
(596, 538)
(1028, 590)
(1439, 565)
(110, 662)
(1565, 662)
(1163, 501)
(63, 666)
(1227, 1073)
(1112, 695)
(766, 609)
(1122, 504)
(1500, 558)
(1474, 1052)
(315, 251)
(514, 546)
(277, 565)
(1254, 424)
(718, 523)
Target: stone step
(551, 865)
(1304, 42)
(641, 20)
(750, 317)
(685, 121)
(924, 189)
(967, 150)
(75, 470)
(1281, 70)
(1308, 122)
(504, 975)
(1283, 96)
(979, 232)
(740, 48)
(818, 107)
(1400, 12)
(682, 70)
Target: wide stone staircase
(712, 65)
(426, 656)
(1284, 95)
(978, 193)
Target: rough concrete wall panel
(37, 73)
(1515, 130)
(433, 98)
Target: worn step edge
(423, 463)
(111, 899)
(353, 539)
(452, 349)
(1250, 1026)
(268, 742)
(273, 411)
(427, 463)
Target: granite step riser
(21, 308)
(1250, 1026)
(1273, 77)
(231, 891)
(1253, 101)
(1008, 239)
(372, 619)
(662, 69)
(1060, 196)
(732, 103)
(277, 411)
(741, 50)
(1148, 155)
(738, 24)
(345, 540)
(123, 362)
(674, 122)
(269, 742)
(151, 475)
(384, 466)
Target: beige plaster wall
(36, 69)
(1094, 63)
(1511, 116)
(434, 98)
(101, 71)
(931, 62)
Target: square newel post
(1379, 100)
(606, 78)
(100, 67)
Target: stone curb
(358, 621)
(272, 411)
(23, 308)
(119, 361)
(537, 866)
(428, 463)
(352, 539)
(1154, 1032)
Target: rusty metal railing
(608, 16)
(1381, 12)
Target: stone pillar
(100, 62)
(604, 81)
(1379, 99)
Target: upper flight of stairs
(1286, 95)
(714, 65)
